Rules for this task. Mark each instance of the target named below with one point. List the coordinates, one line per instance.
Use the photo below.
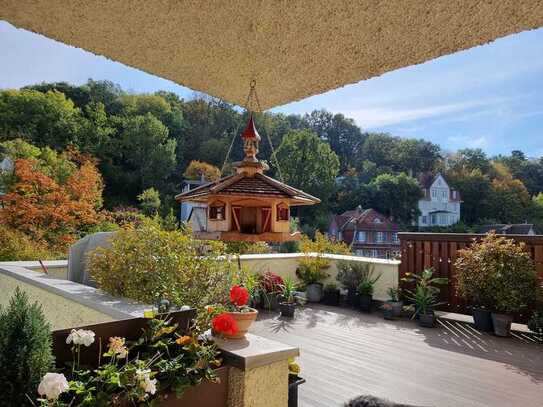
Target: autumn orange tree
(51, 205)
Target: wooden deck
(345, 353)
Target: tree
(149, 201)
(343, 135)
(396, 196)
(197, 169)
(476, 192)
(470, 159)
(142, 156)
(53, 197)
(308, 163)
(25, 350)
(44, 119)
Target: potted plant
(365, 288)
(294, 380)
(238, 317)
(270, 289)
(425, 296)
(388, 312)
(349, 275)
(394, 301)
(287, 305)
(331, 294)
(311, 272)
(535, 324)
(499, 274)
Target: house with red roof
(368, 232)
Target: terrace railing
(440, 251)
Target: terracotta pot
(243, 320)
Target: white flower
(80, 337)
(185, 308)
(146, 383)
(52, 385)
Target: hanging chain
(251, 98)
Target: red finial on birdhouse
(250, 131)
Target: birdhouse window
(217, 211)
(283, 212)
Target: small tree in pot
(287, 305)
(366, 287)
(393, 306)
(350, 275)
(425, 296)
(270, 288)
(499, 274)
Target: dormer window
(283, 212)
(217, 211)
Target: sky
(488, 97)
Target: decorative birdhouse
(245, 206)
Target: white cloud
(463, 141)
(381, 116)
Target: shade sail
(293, 48)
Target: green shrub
(497, 273)
(25, 350)
(148, 263)
(15, 246)
(351, 273)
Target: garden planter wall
(502, 324)
(314, 292)
(482, 320)
(206, 394)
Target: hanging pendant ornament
(247, 205)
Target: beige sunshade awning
(293, 48)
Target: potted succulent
(331, 294)
(311, 272)
(394, 301)
(294, 380)
(498, 274)
(425, 296)
(365, 289)
(349, 275)
(270, 289)
(238, 315)
(287, 305)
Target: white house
(6, 165)
(440, 205)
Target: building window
(380, 237)
(395, 238)
(282, 212)
(361, 236)
(424, 219)
(217, 211)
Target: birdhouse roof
(250, 131)
(257, 185)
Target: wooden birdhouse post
(246, 206)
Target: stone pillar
(259, 371)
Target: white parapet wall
(285, 264)
(65, 303)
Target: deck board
(345, 353)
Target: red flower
(239, 296)
(224, 324)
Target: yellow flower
(117, 347)
(183, 340)
(165, 330)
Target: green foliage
(396, 196)
(164, 358)
(25, 349)
(426, 293)
(16, 246)
(352, 273)
(535, 324)
(247, 247)
(288, 288)
(148, 263)
(197, 170)
(367, 280)
(149, 201)
(393, 294)
(497, 273)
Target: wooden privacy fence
(439, 251)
